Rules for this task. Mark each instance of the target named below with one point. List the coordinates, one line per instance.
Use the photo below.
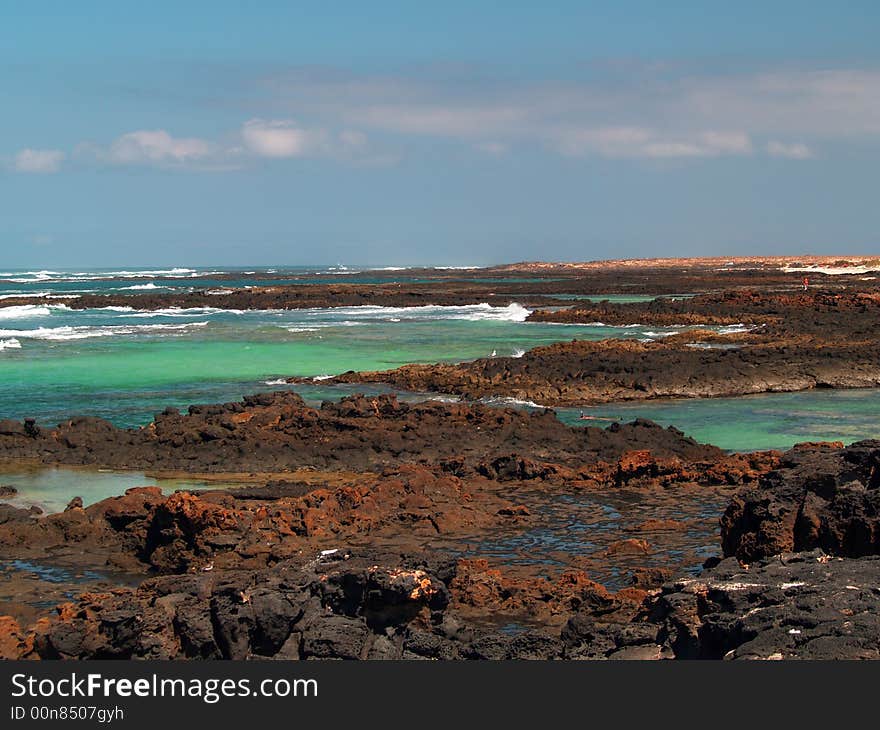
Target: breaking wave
(85, 332)
(470, 312)
(10, 344)
(24, 311)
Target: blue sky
(456, 133)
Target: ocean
(125, 365)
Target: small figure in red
(806, 283)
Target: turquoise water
(749, 423)
(125, 365)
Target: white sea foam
(24, 295)
(471, 312)
(24, 311)
(29, 277)
(735, 329)
(181, 312)
(600, 324)
(445, 398)
(518, 353)
(515, 402)
(829, 270)
(711, 346)
(149, 285)
(279, 381)
(10, 344)
(319, 378)
(316, 326)
(85, 332)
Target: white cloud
(840, 103)
(726, 143)
(256, 138)
(496, 149)
(647, 112)
(672, 110)
(156, 147)
(38, 161)
(442, 120)
(794, 151)
(643, 142)
(352, 139)
(282, 138)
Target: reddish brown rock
(14, 642)
(795, 341)
(821, 496)
(276, 432)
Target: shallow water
(576, 530)
(750, 423)
(746, 423)
(125, 365)
(31, 588)
(51, 489)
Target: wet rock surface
(277, 432)
(787, 342)
(343, 605)
(795, 605)
(586, 373)
(400, 563)
(343, 572)
(497, 285)
(350, 605)
(374, 529)
(822, 496)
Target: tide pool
(125, 365)
(754, 422)
(51, 489)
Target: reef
(373, 528)
(762, 342)
(277, 432)
(372, 566)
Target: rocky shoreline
(366, 557)
(248, 578)
(277, 432)
(531, 285)
(372, 528)
(767, 342)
